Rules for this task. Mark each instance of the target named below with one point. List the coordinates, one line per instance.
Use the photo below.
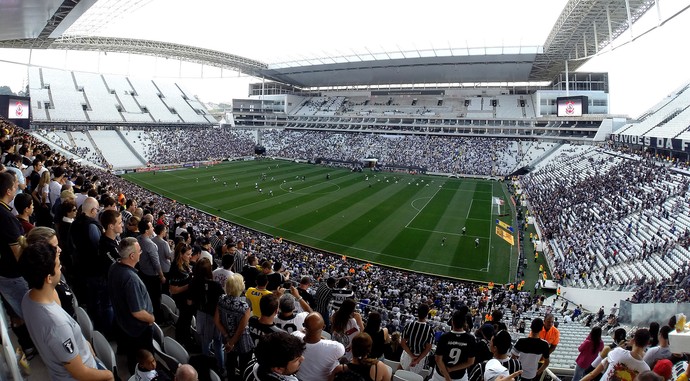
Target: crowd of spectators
(601, 211)
(179, 145)
(173, 145)
(454, 155)
(396, 295)
(392, 293)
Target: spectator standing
(66, 215)
(264, 325)
(180, 278)
(232, 319)
(12, 285)
(618, 340)
(321, 355)
(550, 333)
(222, 273)
(255, 294)
(324, 295)
(500, 346)
(341, 292)
(622, 364)
(86, 234)
(150, 270)
(63, 348)
(55, 186)
(205, 292)
(393, 350)
(249, 272)
(40, 193)
(25, 209)
(362, 364)
(531, 350)
(484, 335)
(589, 349)
(417, 339)
(165, 253)
(346, 324)
(379, 335)
(131, 302)
(661, 351)
(287, 319)
(108, 253)
(303, 290)
(455, 351)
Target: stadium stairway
(129, 145)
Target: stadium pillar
(567, 80)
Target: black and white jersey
(417, 335)
(454, 348)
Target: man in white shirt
(55, 186)
(321, 356)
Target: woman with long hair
(362, 363)
(393, 350)
(379, 335)
(589, 349)
(619, 340)
(346, 323)
(231, 319)
(41, 201)
(204, 293)
(654, 334)
(180, 279)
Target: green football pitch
(406, 221)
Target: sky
(641, 72)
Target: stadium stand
(102, 105)
(124, 92)
(114, 150)
(637, 205)
(67, 101)
(653, 123)
(77, 97)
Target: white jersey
(294, 323)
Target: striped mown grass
(407, 221)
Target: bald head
(90, 207)
(313, 325)
(186, 373)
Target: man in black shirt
(264, 325)
(107, 255)
(530, 350)
(303, 290)
(455, 351)
(131, 302)
(12, 285)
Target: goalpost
(497, 206)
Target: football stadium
(407, 213)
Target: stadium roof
(583, 28)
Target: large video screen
(571, 106)
(18, 109)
